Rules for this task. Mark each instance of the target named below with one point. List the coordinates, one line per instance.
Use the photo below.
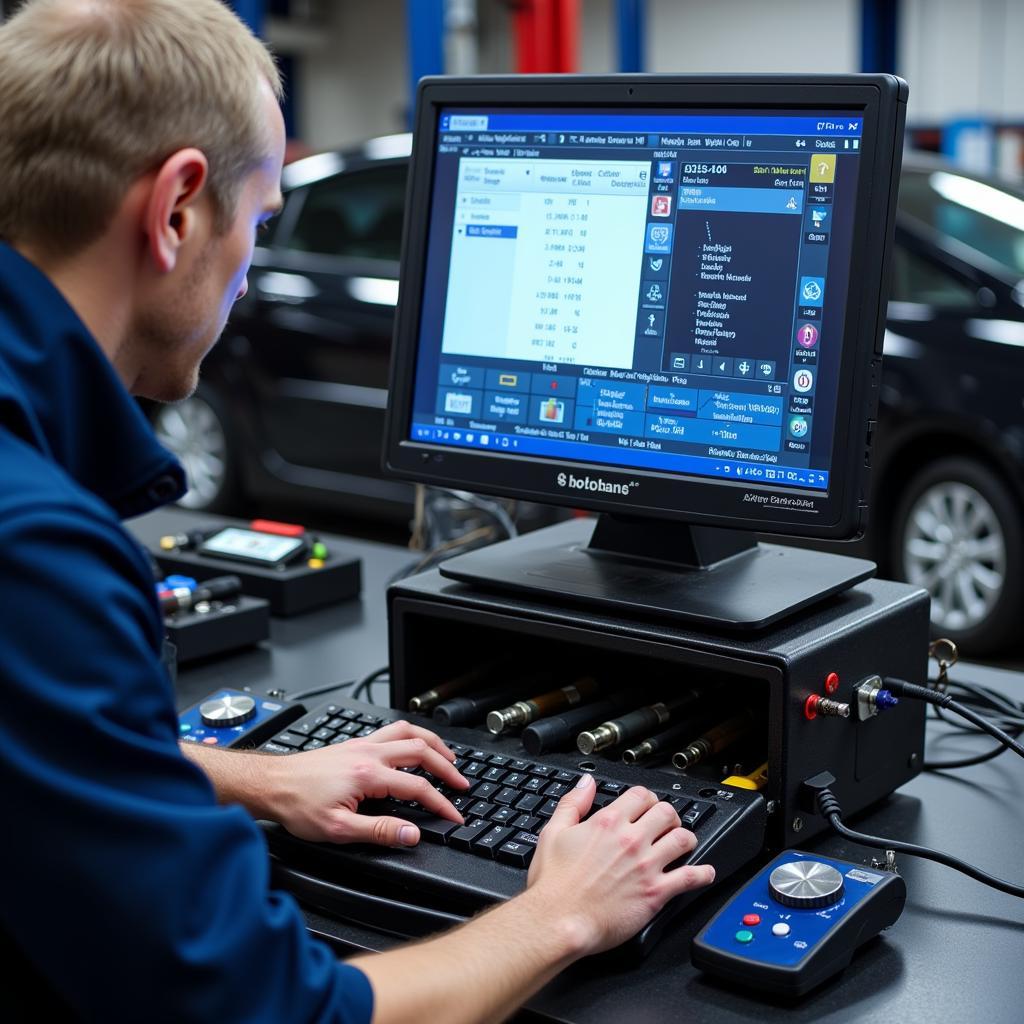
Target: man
(140, 151)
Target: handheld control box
(798, 922)
(233, 718)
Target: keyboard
(457, 870)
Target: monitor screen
(662, 291)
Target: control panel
(798, 922)
(233, 718)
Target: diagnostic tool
(798, 922)
(233, 718)
(253, 546)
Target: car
(291, 403)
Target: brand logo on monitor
(593, 483)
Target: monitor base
(719, 578)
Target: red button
(831, 682)
(210, 740)
(751, 919)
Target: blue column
(879, 21)
(425, 28)
(631, 34)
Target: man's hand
(317, 793)
(607, 875)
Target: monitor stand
(715, 577)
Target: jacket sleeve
(129, 889)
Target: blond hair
(95, 93)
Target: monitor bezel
(839, 513)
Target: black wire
(829, 808)
(364, 684)
(361, 685)
(945, 701)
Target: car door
(321, 309)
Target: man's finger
(686, 878)
(382, 831)
(413, 753)
(634, 803)
(679, 842)
(572, 807)
(403, 730)
(403, 786)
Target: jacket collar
(60, 394)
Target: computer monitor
(659, 298)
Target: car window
(356, 214)
(982, 215)
(917, 279)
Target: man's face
(176, 332)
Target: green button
(744, 936)
(185, 727)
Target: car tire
(198, 432)
(957, 532)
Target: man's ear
(172, 210)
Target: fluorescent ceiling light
(982, 198)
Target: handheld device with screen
(658, 298)
(252, 546)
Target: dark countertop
(953, 956)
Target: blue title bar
(572, 121)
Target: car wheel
(195, 430)
(957, 533)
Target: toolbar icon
(661, 206)
(812, 291)
(803, 380)
(807, 336)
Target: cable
(828, 807)
(359, 684)
(946, 702)
(364, 684)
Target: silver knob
(806, 884)
(227, 711)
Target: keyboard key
(287, 739)
(534, 784)
(527, 822)
(487, 845)
(351, 728)
(473, 769)
(602, 800)
(340, 738)
(484, 790)
(615, 788)
(568, 777)
(367, 730)
(517, 854)
(276, 748)
(313, 744)
(304, 727)
(349, 713)
(481, 809)
(508, 816)
(324, 734)
(520, 766)
(506, 796)
(479, 755)
(698, 812)
(462, 803)
(458, 748)
(529, 802)
(556, 789)
(543, 770)
(335, 723)
(499, 760)
(525, 837)
(678, 803)
(371, 720)
(516, 779)
(432, 828)
(462, 837)
(547, 808)
(494, 774)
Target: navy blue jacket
(127, 892)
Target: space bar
(433, 829)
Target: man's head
(143, 133)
